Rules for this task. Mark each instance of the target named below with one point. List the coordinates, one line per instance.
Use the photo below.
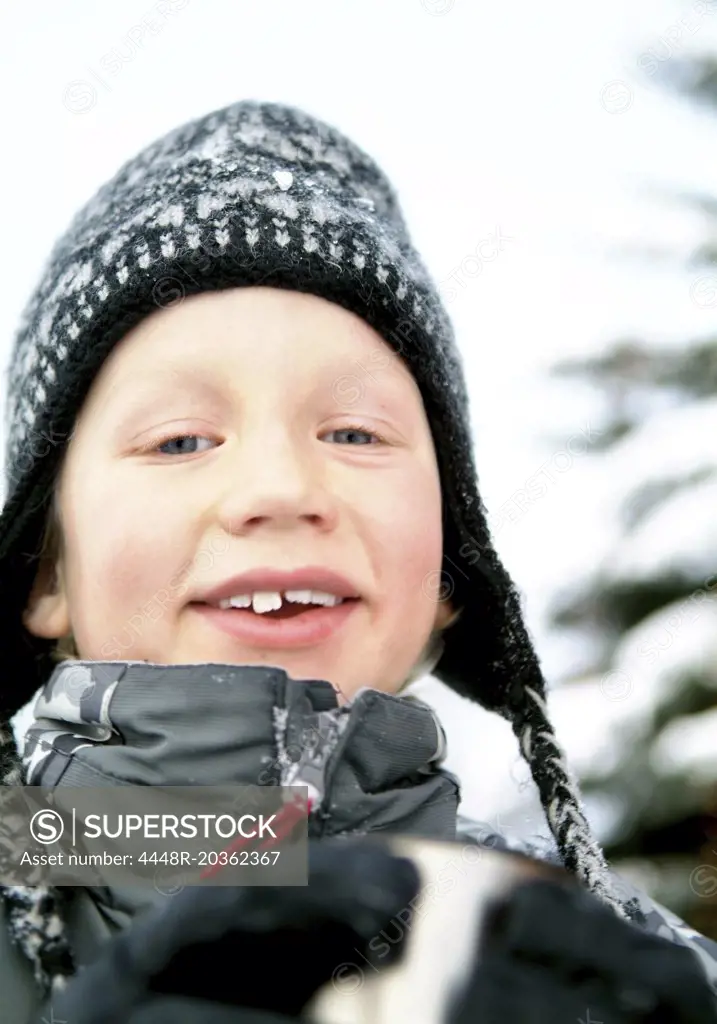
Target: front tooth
(267, 601)
(298, 596)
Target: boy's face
(262, 384)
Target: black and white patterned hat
(265, 194)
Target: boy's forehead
(163, 359)
(219, 374)
(209, 371)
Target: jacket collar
(373, 764)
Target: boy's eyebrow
(155, 384)
(202, 382)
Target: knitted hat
(264, 194)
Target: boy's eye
(184, 450)
(359, 433)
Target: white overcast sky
(533, 120)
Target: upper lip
(276, 580)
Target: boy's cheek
(178, 584)
(160, 600)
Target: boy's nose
(281, 487)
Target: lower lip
(302, 631)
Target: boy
(247, 282)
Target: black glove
(255, 947)
(552, 953)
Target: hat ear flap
(562, 802)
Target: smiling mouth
(287, 610)
(290, 626)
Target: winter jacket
(375, 766)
